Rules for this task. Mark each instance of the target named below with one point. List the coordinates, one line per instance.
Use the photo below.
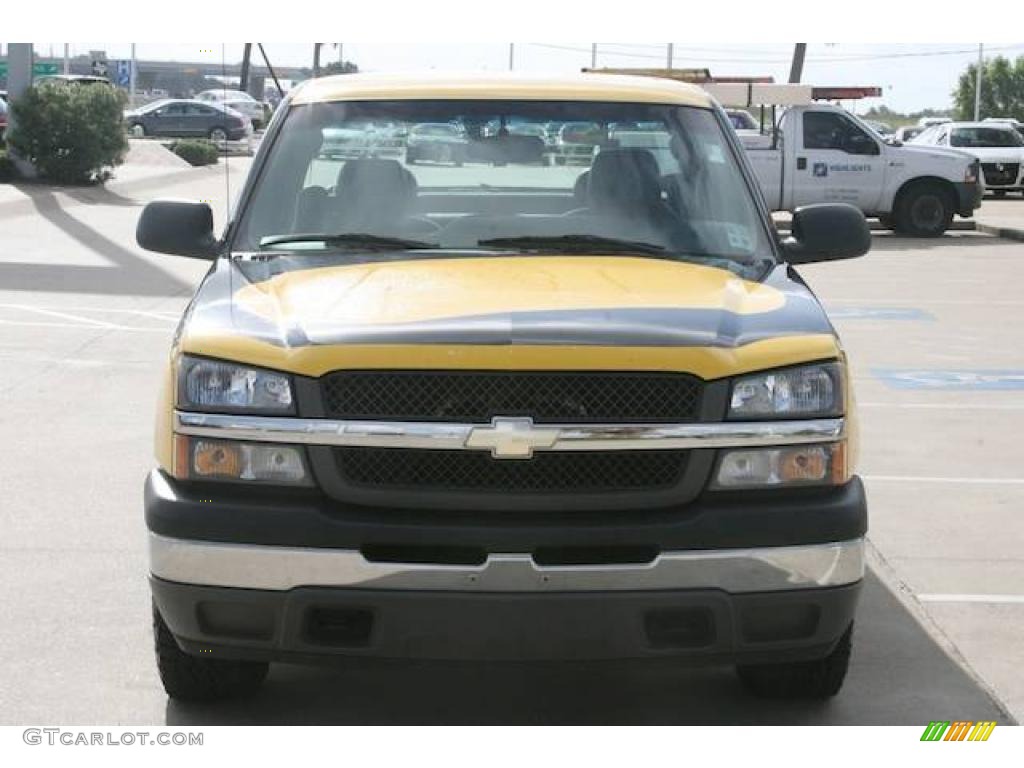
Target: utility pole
(19, 79)
(511, 56)
(243, 80)
(796, 71)
(67, 58)
(131, 78)
(593, 55)
(668, 62)
(316, 59)
(977, 82)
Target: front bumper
(968, 197)
(317, 624)
(299, 577)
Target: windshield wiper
(576, 244)
(357, 240)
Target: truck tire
(924, 209)
(819, 679)
(190, 678)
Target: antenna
(227, 166)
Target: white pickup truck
(821, 153)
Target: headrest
(374, 191)
(624, 181)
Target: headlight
(818, 464)
(220, 386)
(808, 391)
(200, 458)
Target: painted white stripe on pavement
(924, 479)
(948, 406)
(67, 316)
(83, 326)
(943, 598)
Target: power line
(681, 53)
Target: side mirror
(826, 232)
(179, 227)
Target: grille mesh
(546, 397)
(1002, 177)
(467, 471)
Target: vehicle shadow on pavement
(899, 676)
(128, 274)
(883, 242)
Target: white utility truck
(819, 153)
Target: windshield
(985, 137)
(515, 176)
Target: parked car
(742, 120)
(577, 143)
(997, 145)
(905, 133)
(240, 101)
(363, 138)
(453, 422)
(436, 143)
(188, 118)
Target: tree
(1002, 89)
(71, 133)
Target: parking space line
(66, 316)
(82, 326)
(947, 406)
(969, 598)
(962, 480)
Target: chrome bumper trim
(508, 437)
(251, 566)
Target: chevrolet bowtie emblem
(511, 438)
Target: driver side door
(837, 161)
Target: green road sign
(38, 69)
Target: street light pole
(131, 80)
(593, 55)
(669, 57)
(511, 56)
(977, 82)
(796, 70)
(67, 58)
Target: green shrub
(71, 133)
(8, 172)
(196, 151)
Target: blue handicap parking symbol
(964, 380)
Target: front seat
(374, 195)
(624, 188)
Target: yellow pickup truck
(505, 409)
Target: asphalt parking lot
(85, 322)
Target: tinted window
(831, 130)
(985, 137)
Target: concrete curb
(1007, 233)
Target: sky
(913, 76)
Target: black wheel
(819, 679)
(924, 210)
(137, 130)
(190, 678)
(218, 134)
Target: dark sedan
(188, 118)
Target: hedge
(72, 133)
(196, 151)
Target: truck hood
(939, 153)
(450, 304)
